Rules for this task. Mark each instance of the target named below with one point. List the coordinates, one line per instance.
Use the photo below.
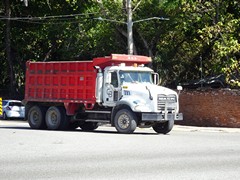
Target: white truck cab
(136, 98)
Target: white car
(12, 109)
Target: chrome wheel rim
(53, 118)
(124, 121)
(35, 117)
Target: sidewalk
(175, 128)
(205, 129)
(11, 122)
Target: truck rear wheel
(163, 128)
(36, 117)
(56, 118)
(125, 121)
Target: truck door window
(114, 79)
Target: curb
(205, 129)
(175, 127)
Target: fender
(134, 103)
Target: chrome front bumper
(162, 117)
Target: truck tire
(36, 117)
(163, 128)
(56, 118)
(125, 121)
(88, 126)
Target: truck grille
(166, 102)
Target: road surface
(186, 153)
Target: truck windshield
(135, 77)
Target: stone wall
(210, 107)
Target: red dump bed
(68, 81)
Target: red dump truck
(118, 90)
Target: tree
(200, 29)
(71, 29)
(7, 35)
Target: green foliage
(71, 29)
(207, 30)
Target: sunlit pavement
(23, 123)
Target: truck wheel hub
(35, 117)
(53, 118)
(123, 121)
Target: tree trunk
(147, 47)
(11, 73)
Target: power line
(50, 22)
(44, 17)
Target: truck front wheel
(36, 117)
(163, 128)
(125, 121)
(56, 118)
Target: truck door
(111, 89)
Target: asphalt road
(186, 153)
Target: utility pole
(129, 27)
(130, 23)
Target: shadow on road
(77, 130)
(14, 127)
(115, 132)
(21, 124)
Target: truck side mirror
(155, 78)
(179, 88)
(108, 78)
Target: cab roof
(116, 59)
